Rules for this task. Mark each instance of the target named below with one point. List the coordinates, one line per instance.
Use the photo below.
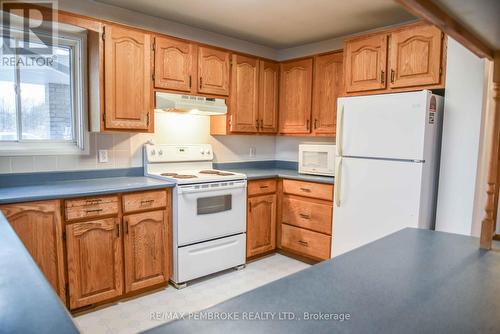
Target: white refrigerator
(387, 163)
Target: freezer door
(373, 199)
(383, 126)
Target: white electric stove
(209, 210)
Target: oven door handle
(192, 188)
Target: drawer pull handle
(125, 228)
(93, 201)
(93, 211)
(264, 187)
(147, 202)
(117, 230)
(307, 190)
(303, 215)
(303, 243)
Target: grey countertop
(78, 188)
(28, 302)
(413, 281)
(264, 173)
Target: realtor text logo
(28, 27)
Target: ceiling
(479, 16)
(277, 24)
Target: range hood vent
(190, 104)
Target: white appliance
(209, 210)
(317, 159)
(387, 161)
(191, 104)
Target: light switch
(252, 151)
(103, 156)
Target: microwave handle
(338, 179)
(340, 128)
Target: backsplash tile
(22, 164)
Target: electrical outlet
(252, 151)
(103, 156)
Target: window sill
(26, 149)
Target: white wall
(463, 110)
(287, 147)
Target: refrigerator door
(383, 126)
(374, 198)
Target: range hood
(190, 104)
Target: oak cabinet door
(147, 256)
(127, 79)
(213, 71)
(366, 63)
(415, 57)
(268, 96)
(261, 224)
(39, 226)
(244, 98)
(174, 64)
(328, 85)
(94, 261)
(295, 96)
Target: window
(42, 97)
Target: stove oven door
(210, 210)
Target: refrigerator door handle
(338, 178)
(340, 130)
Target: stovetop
(197, 176)
(184, 164)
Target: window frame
(79, 144)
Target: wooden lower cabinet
(305, 219)
(39, 226)
(306, 242)
(146, 249)
(94, 261)
(261, 224)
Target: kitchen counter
(79, 188)
(27, 302)
(255, 170)
(412, 281)
(265, 173)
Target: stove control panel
(178, 153)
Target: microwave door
(317, 161)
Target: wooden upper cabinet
(127, 79)
(366, 63)
(415, 56)
(94, 261)
(146, 248)
(261, 224)
(175, 64)
(268, 96)
(328, 85)
(213, 71)
(244, 98)
(295, 96)
(39, 226)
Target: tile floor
(134, 315)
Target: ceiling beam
(429, 11)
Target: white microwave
(318, 159)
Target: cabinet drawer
(90, 201)
(91, 207)
(261, 187)
(307, 214)
(144, 201)
(308, 189)
(305, 242)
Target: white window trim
(80, 146)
